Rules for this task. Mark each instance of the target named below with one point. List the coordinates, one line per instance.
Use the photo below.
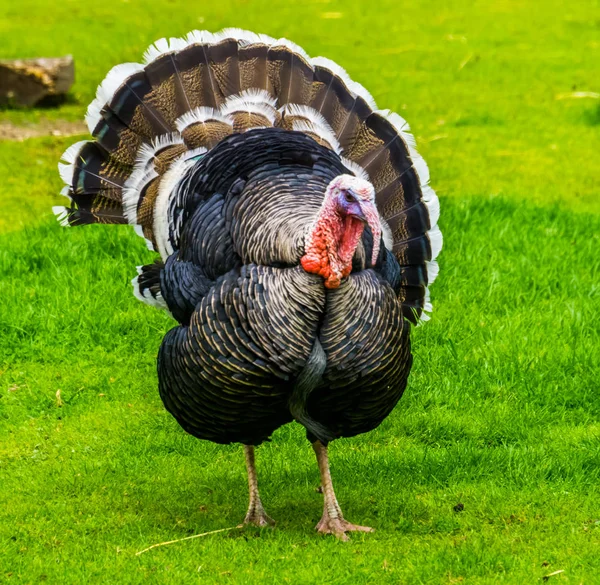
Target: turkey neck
(330, 245)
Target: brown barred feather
(252, 63)
(243, 121)
(205, 134)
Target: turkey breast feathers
(227, 373)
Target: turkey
(297, 235)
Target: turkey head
(348, 205)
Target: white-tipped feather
(140, 177)
(244, 37)
(238, 103)
(200, 37)
(313, 122)
(166, 191)
(143, 172)
(162, 47)
(66, 173)
(433, 208)
(140, 232)
(428, 193)
(401, 126)
(199, 116)
(70, 155)
(242, 107)
(420, 166)
(165, 140)
(307, 112)
(177, 44)
(257, 96)
(62, 215)
(156, 49)
(355, 168)
(436, 241)
(334, 68)
(433, 269)
(427, 308)
(323, 133)
(65, 192)
(93, 114)
(360, 90)
(115, 78)
(355, 88)
(423, 319)
(68, 158)
(429, 198)
(148, 152)
(403, 129)
(386, 233)
(144, 156)
(427, 305)
(146, 296)
(136, 289)
(292, 47)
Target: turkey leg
(256, 513)
(332, 521)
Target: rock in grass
(25, 82)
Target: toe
(356, 528)
(339, 527)
(260, 520)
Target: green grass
(502, 413)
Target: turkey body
(296, 229)
(228, 373)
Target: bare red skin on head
(333, 240)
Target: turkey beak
(355, 210)
(371, 217)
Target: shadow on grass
(592, 115)
(50, 102)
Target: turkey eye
(349, 197)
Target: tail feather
(204, 127)
(225, 67)
(196, 72)
(153, 119)
(290, 73)
(146, 285)
(250, 110)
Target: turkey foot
(338, 527)
(332, 521)
(256, 514)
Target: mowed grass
(502, 412)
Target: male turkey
(296, 229)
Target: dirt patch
(10, 131)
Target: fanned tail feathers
(152, 120)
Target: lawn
(502, 412)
